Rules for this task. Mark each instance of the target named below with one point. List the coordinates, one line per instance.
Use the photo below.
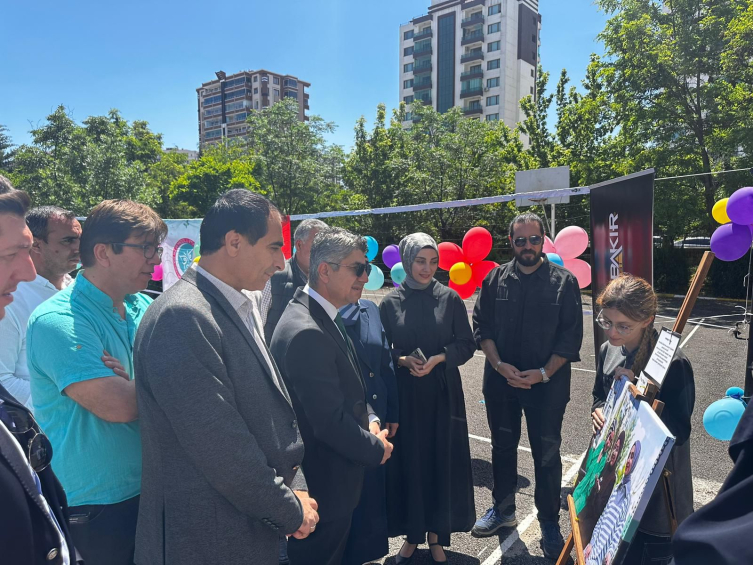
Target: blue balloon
(372, 248)
(398, 273)
(556, 259)
(376, 279)
(721, 418)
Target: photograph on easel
(623, 466)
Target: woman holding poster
(628, 309)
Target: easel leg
(669, 502)
(565, 555)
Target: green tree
(6, 149)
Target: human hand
(507, 370)
(413, 364)
(515, 378)
(392, 428)
(533, 376)
(374, 427)
(310, 515)
(431, 362)
(387, 445)
(619, 371)
(597, 417)
(114, 365)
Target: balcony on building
(472, 4)
(421, 67)
(473, 108)
(423, 84)
(423, 49)
(474, 55)
(475, 19)
(473, 72)
(475, 36)
(425, 34)
(471, 91)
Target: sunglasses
(358, 268)
(35, 444)
(534, 240)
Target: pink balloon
(477, 243)
(549, 245)
(571, 242)
(580, 270)
(158, 273)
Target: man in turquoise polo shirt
(87, 410)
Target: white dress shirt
(14, 371)
(332, 312)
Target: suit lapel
(363, 323)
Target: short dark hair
(238, 210)
(528, 217)
(12, 201)
(38, 219)
(114, 221)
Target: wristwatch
(544, 379)
(496, 367)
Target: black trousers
(544, 423)
(646, 549)
(325, 546)
(105, 534)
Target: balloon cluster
(467, 265)
(569, 243)
(732, 239)
(721, 418)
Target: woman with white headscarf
(429, 479)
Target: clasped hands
(310, 515)
(519, 379)
(417, 367)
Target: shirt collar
(43, 282)
(329, 308)
(84, 286)
(238, 300)
(512, 269)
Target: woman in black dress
(628, 308)
(429, 480)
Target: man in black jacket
(281, 287)
(34, 515)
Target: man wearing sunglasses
(319, 363)
(88, 409)
(33, 511)
(528, 321)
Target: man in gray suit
(221, 444)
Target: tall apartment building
(224, 103)
(481, 55)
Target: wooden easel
(574, 540)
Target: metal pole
(749, 359)
(553, 232)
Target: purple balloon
(391, 256)
(731, 241)
(740, 206)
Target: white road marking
(526, 523)
(687, 339)
(584, 370)
(567, 458)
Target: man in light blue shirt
(88, 411)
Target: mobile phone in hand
(418, 354)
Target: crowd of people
(261, 411)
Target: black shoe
(551, 540)
(432, 555)
(400, 560)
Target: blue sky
(148, 58)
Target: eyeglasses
(26, 430)
(150, 250)
(358, 268)
(607, 325)
(534, 240)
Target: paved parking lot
(718, 360)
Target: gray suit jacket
(220, 439)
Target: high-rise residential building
(481, 55)
(224, 103)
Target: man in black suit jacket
(319, 365)
(33, 507)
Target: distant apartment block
(480, 55)
(224, 103)
(190, 154)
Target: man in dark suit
(33, 507)
(319, 364)
(221, 442)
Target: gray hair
(332, 245)
(306, 227)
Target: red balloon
(481, 269)
(464, 290)
(449, 254)
(477, 244)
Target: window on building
(408, 50)
(490, 65)
(493, 28)
(276, 80)
(408, 83)
(277, 92)
(407, 35)
(492, 46)
(256, 105)
(213, 134)
(290, 83)
(256, 78)
(531, 90)
(408, 67)
(492, 82)
(492, 100)
(256, 91)
(533, 73)
(493, 9)
(408, 99)
(492, 118)
(291, 94)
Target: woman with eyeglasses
(628, 309)
(429, 479)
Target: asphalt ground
(718, 361)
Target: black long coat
(429, 479)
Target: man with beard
(57, 234)
(529, 323)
